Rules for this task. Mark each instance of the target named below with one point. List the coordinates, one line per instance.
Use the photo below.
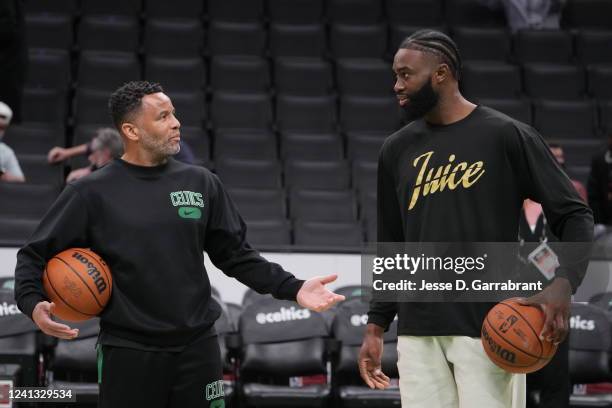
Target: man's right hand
(57, 154)
(42, 317)
(370, 357)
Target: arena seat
(304, 40)
(589, 355)
(74, 364)
(348, 328)
(284, 352)
(302, 76)
(18, 342)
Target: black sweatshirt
(505, 161)
(151, 225)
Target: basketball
(79, 282)
(510, 337)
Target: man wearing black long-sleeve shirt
(151, 218)
(499, 162)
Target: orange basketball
(511, 337)
(79, 282)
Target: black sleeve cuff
(289, 289)
(379, 320)
(28, 303)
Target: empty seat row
(545, 81)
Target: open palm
(315, 296)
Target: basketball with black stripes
(511, 337)
(79, 282)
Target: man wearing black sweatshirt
(151, 218)
(498, 162)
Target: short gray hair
(108, 138)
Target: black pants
(136, 378)
(553, 381)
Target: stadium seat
(46, 106)
(326, 175)
(234, 310)
(589, 353)
(328, 236)
(18, 341)
(38, 171)
(49, 69)
(369, 114)
(283, 340)
(49, 31)
(565, 119)
(108, 33)
(365, 176)
(306, 113)
(190, 107)
(600, 81)
(251, 296)
(231, 110)
(364, 147)
(229, 38)
(249, 173)
(15, 231)
(165, 9)
(605, 114)
(199, 142)
(473, 13)
(321, 205)
(172, 38)
(586, 14)
(305, 40)
(245, 145)
(65, 7)
(556, 81)
(364, 77)
(358, 41)
(348, 329)
(106, 71)
(25, 139)
(311, 146)
(91, 107)
(295, 11)
(131, 8)
(593, 46)
(269, 233)
(399, 32)
(239, 74)
(368, 211)
(491, 80)
(75, 364)
(350, 291)
(260, 204)
(176, 74)
(354, 11)
(302, 76)
(414, 12)
(483, 44)
(235, 10)
(550, 46)
(26, 201)
(519, 109)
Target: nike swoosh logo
(190, 212)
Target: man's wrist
(374, 330)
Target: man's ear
(130, 131)
(442, 73)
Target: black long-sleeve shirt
(151, 225)
(505, 162)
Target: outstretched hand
(315, 296)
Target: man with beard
(497, 163)
(151, 218)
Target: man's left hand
(554, 301)
(315, 296)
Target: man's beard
(421, 102)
